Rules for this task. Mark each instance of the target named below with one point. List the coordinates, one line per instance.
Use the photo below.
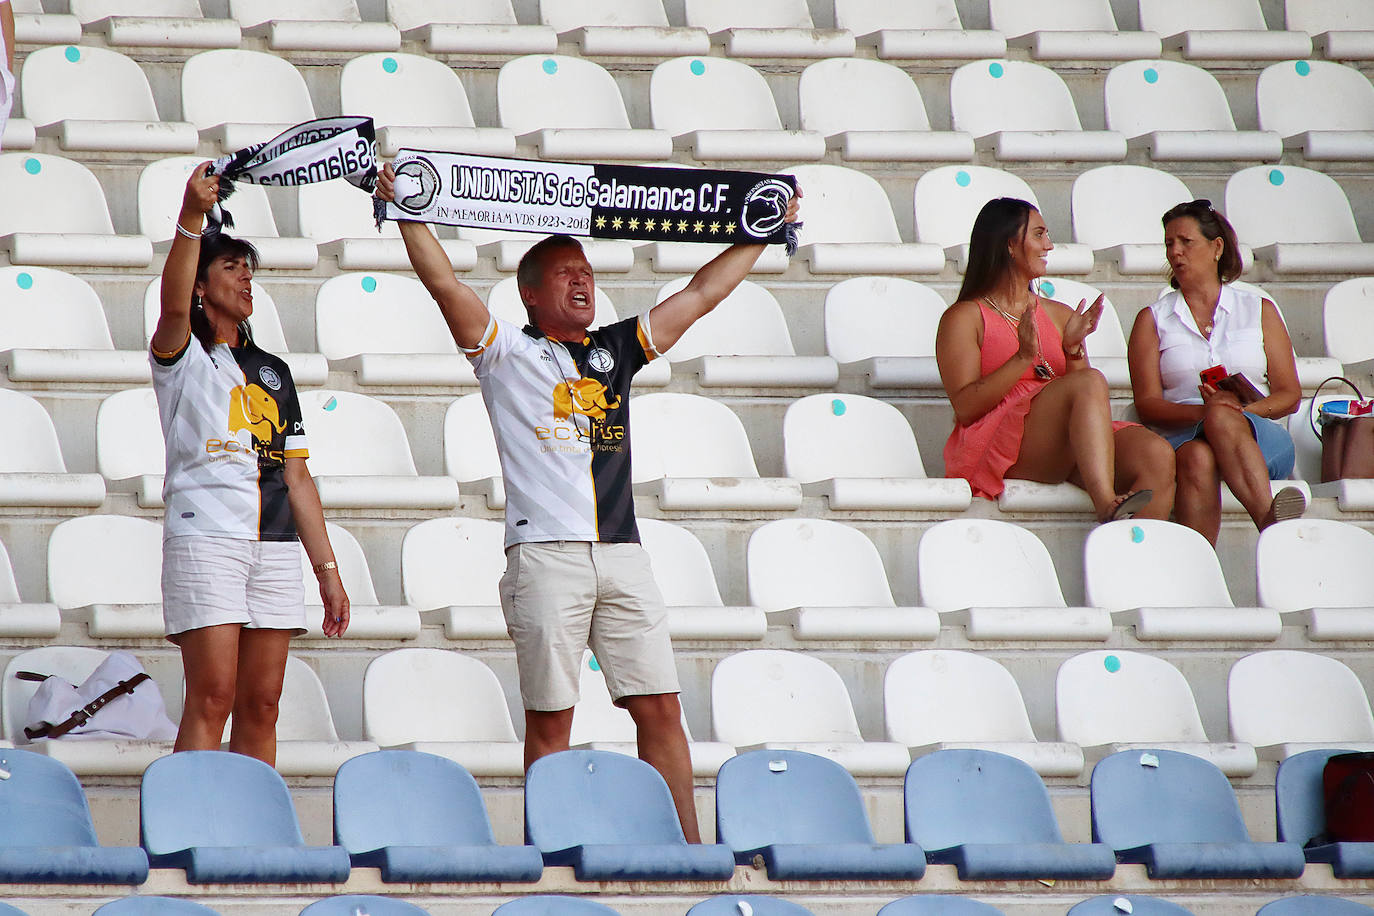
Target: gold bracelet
(325, 566)
(1077, 352)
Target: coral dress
(982, 451)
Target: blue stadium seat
(1302, 815)
(7, 910)
(370, 904)
(828, 837)
(611, 818)
(228, 819)
(1312, 905)
(553, 905)
(1177, 815)
(759, 905)
(46, 833)
(152, 906)
(1106, 905)
(938, 905)
(989, 815)
(419, 817)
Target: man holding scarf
(558, 398)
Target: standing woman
(237, 492)
(1026, 403)
(1207, 322)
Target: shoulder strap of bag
(31, 676)
(83, 715)
(1312, 405)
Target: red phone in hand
(1213, 376)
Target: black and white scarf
(602, 201)
(344, 147)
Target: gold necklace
(1042, 368)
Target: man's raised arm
(464, 312)
(671, 318)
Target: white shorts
(208, 581)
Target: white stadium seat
(1347, 330)
(129, 451)
(1297, 219)
(156, 23)
(1220, 30)
(1106, 346)
(1179, 111)
(32, 472)
(882, 329)
(1069, 30)
(1285, 702)
(368, 618)
(794, 570)
(471, 27)
(338, 217)
(916, 30)
(313, 25)
(569, 108)
(872, 111)
(34, 26)
(767, 28)
(683, 572)
(636, 28)
(1325, 110)
(936, 699)
(1340, 29)
(1111, 700)
(452, 567)
(470, 455)
(1318, 570)
(106, 571)
(787, 700)
(269, 96)
(20, 618)
(1117, 209)
(860, 454)
(723, 109)
(92, 98)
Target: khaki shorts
(562, 596)
(208, 581)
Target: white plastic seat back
(1301, 95)
(266, 89)
(378, 313)
(330, 210)
(353, 569)
(433, 695)
(1114, 695)
(1282, 696)
(303, 712)
(1142, 96)
(71, 663)
(1269, 204)
(954, 557)
(352, 434)
(987, 96)
(255, 12)
(46, 309)
(814, 563)
(881, 316)
(566, 15)
(1122, 205)
(95, 10)
(596, 717)
(265, 321)
(161, 185)
(947, 200)
(541, 91)
(687, 435)
(718, 15)
(396, 89)
(864, 17)
(843, 94)
(847, 435)
(1315, 562)
(748, 322)
(84, 84)
(710, 93)
(411, 14)
(1014, 17)
(128, 435)
(1349, 333)
(30, 442)
(1318, 16)
(1170, 17)
(1123, 564)
(105, 559)
(681, 565)
(469, 443)
(503, 301)
(453, 562)
(774, 695)
(1108, 340)
(843, 205)
(45, 193)
(937, 695)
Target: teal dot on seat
(1276, 177)
(25, 281)
(369, 284)
(996, 70)
(1112, 664)
(962, 178)
(593, 664)
(1151, 75)
(837, 407)
(1137, 534)
(32, 166)
(1047, 288)
(697, 68)
(1303, 68)
(331, 404)
(550, 66)
(389, 64)
(72, 54)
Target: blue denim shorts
(1274, 442)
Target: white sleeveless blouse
(1237, 342)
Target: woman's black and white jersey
(560, 413)
(230, 419)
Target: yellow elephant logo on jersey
(253, 409)
(586, 396)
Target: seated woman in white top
(1205, 323)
